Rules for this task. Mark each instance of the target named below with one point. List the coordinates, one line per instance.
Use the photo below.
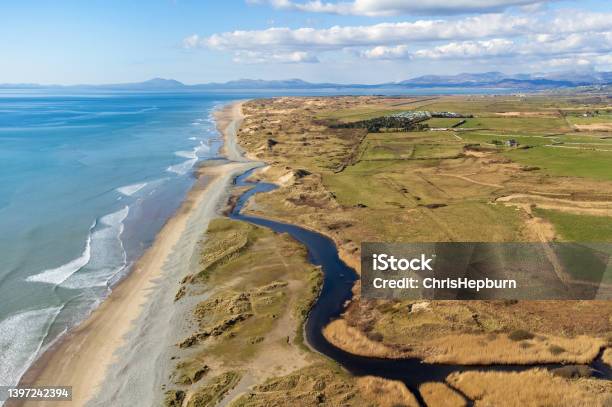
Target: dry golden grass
(321, 384)
(550, 113)
(441, 331)
(386, 393)
(535, 387)
(353, 340)
(499, 348)
(214, 390)
(594, 127)
(472, 349)
(440, 395)
(587, 207)
(607, 357)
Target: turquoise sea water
(85, 183)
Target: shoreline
(229, 119)
(90, 351)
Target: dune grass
(325, 383)
(502, 348)
(210, 394)
(535, 387)
(259, 287)
(440, 395)
(607, 357)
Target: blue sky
(365, 41)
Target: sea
(86, 182)
(87, 179)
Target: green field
(586, 139)
(566, 162)
(579, 228)
(597, 118)
(393, 174)
(430, 151)
(583, 229)
(442, 122)
(489, 137)
(387, 150)
(543, 125)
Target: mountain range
(464, 80)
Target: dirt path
(579, 148)
(463, 177)
(596, 208)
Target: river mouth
(338, 281)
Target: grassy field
(583, 229)
(442, 122)
(566, 162)
(539, 125)
(490, 138)
(425, 181)
(441, 186)
(601, 117)
(579, 228)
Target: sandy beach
(229, 119)
(119, 354)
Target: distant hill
(155, 83)
(460, 79)
(278, 84)
(519, 81)
(464, 80)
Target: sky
(342, 41)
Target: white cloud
(468, 49)
(191, 41)
(370, 35)
(562, 35)
(538, 45)
(255, 57)
(566, 63)
(384, 52)
(569, 21)
(387, 34)
(377, 8)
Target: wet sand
(229, 118)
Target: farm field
(583, 161)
